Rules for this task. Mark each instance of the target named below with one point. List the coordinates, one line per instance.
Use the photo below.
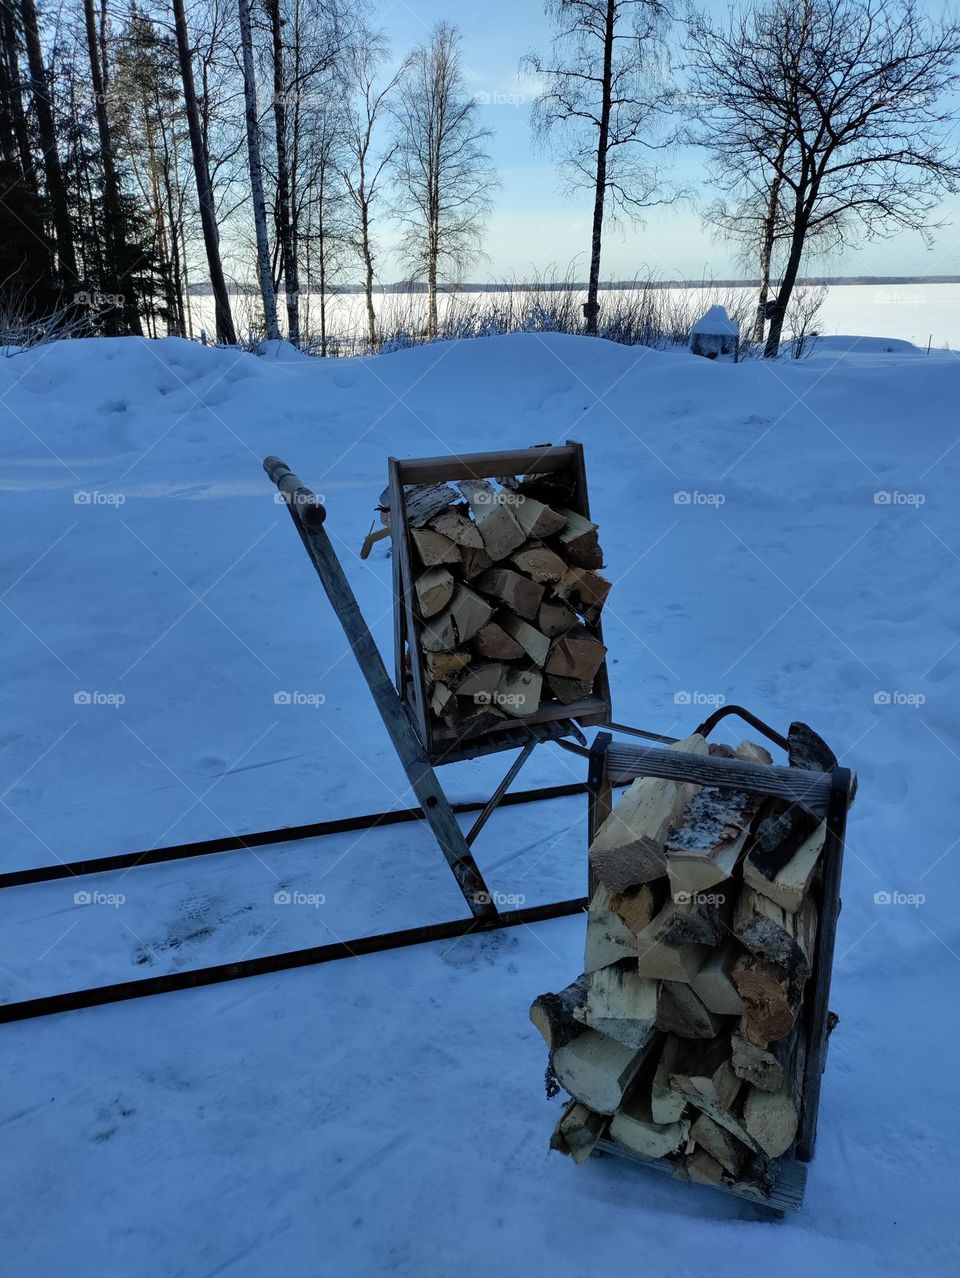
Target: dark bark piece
(553, 1014)
(769, 932)
(568, 691)
(785, 827)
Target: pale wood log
(721, 1144)
(540, 563)
(629, 846)
(519, 692)
(434, 590)
(770, 1000)
(634, 1128)
(533, 643)
(442, 700)
(771, 1118)
(482, 682)
(459, 528)
(597, 1070)
(578, 1131)
(553, 1014)
(422, 502)
(494, 642)
(620, 1004)
(580, 541)
(792, 881)
(433, 548)
(781, 936)
(752, 752)
(703, 1168)
(467, 614)
(555, 618)
(765, 1067)
(608, 937)
(536, 519)
(680, 1012)
(667, 1105)
(518, 593)
(575, 655)
(714, 984)
(707, 844)
(443, 667)
(496, 521)
(665, 962)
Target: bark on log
(790, 884)
(553, 1014)
(783, 937)
(620, 1004)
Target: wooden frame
(827, 795)
(552, 719)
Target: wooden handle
(298, 496)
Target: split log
(667, 1105)
(703, 920)
(702, 1072)
(496, 522)
(770, 1000)
(467, 614)
(636, 906)
(493, 641)
(475, 561)
(580, 541)
(586, 590)
(518, 593)
(784, 937)
(556, 488)
(433, 548)
(553, 1014)
(785, 827)
(533, 643)
(790, 884)
(629, 846)
(660, 959)
(568, 691)
(771, 1118)
(703, 1168)
(597, 1070)
(577, 1132)
(634, 1128)
(714, 984)
(765, 1067)
(442, 700)
(422, 502)
(434, 590)
(540, 563)
(722, 1145)
(444, 667)
(609, 938)
(519, 692)
(555, 618)
(482, 682)
(620, 1004)
(680, 1012)
(536, 519)
(575, 655)
(705, 848)
(459, 528)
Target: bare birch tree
(264, 269)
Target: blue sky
(538, 225)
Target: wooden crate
(442, 745)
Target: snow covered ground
(781, 536)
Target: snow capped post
(716, 335)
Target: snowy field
(917, 313)
(781, 536)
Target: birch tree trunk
(592, 308)
(226, 334)
(267, 295)
(288, 255)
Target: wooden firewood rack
(826, 795)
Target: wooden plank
(406, 597)
(488, 465)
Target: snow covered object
(715, 335)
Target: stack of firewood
(507, 595)
(683, 1038)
